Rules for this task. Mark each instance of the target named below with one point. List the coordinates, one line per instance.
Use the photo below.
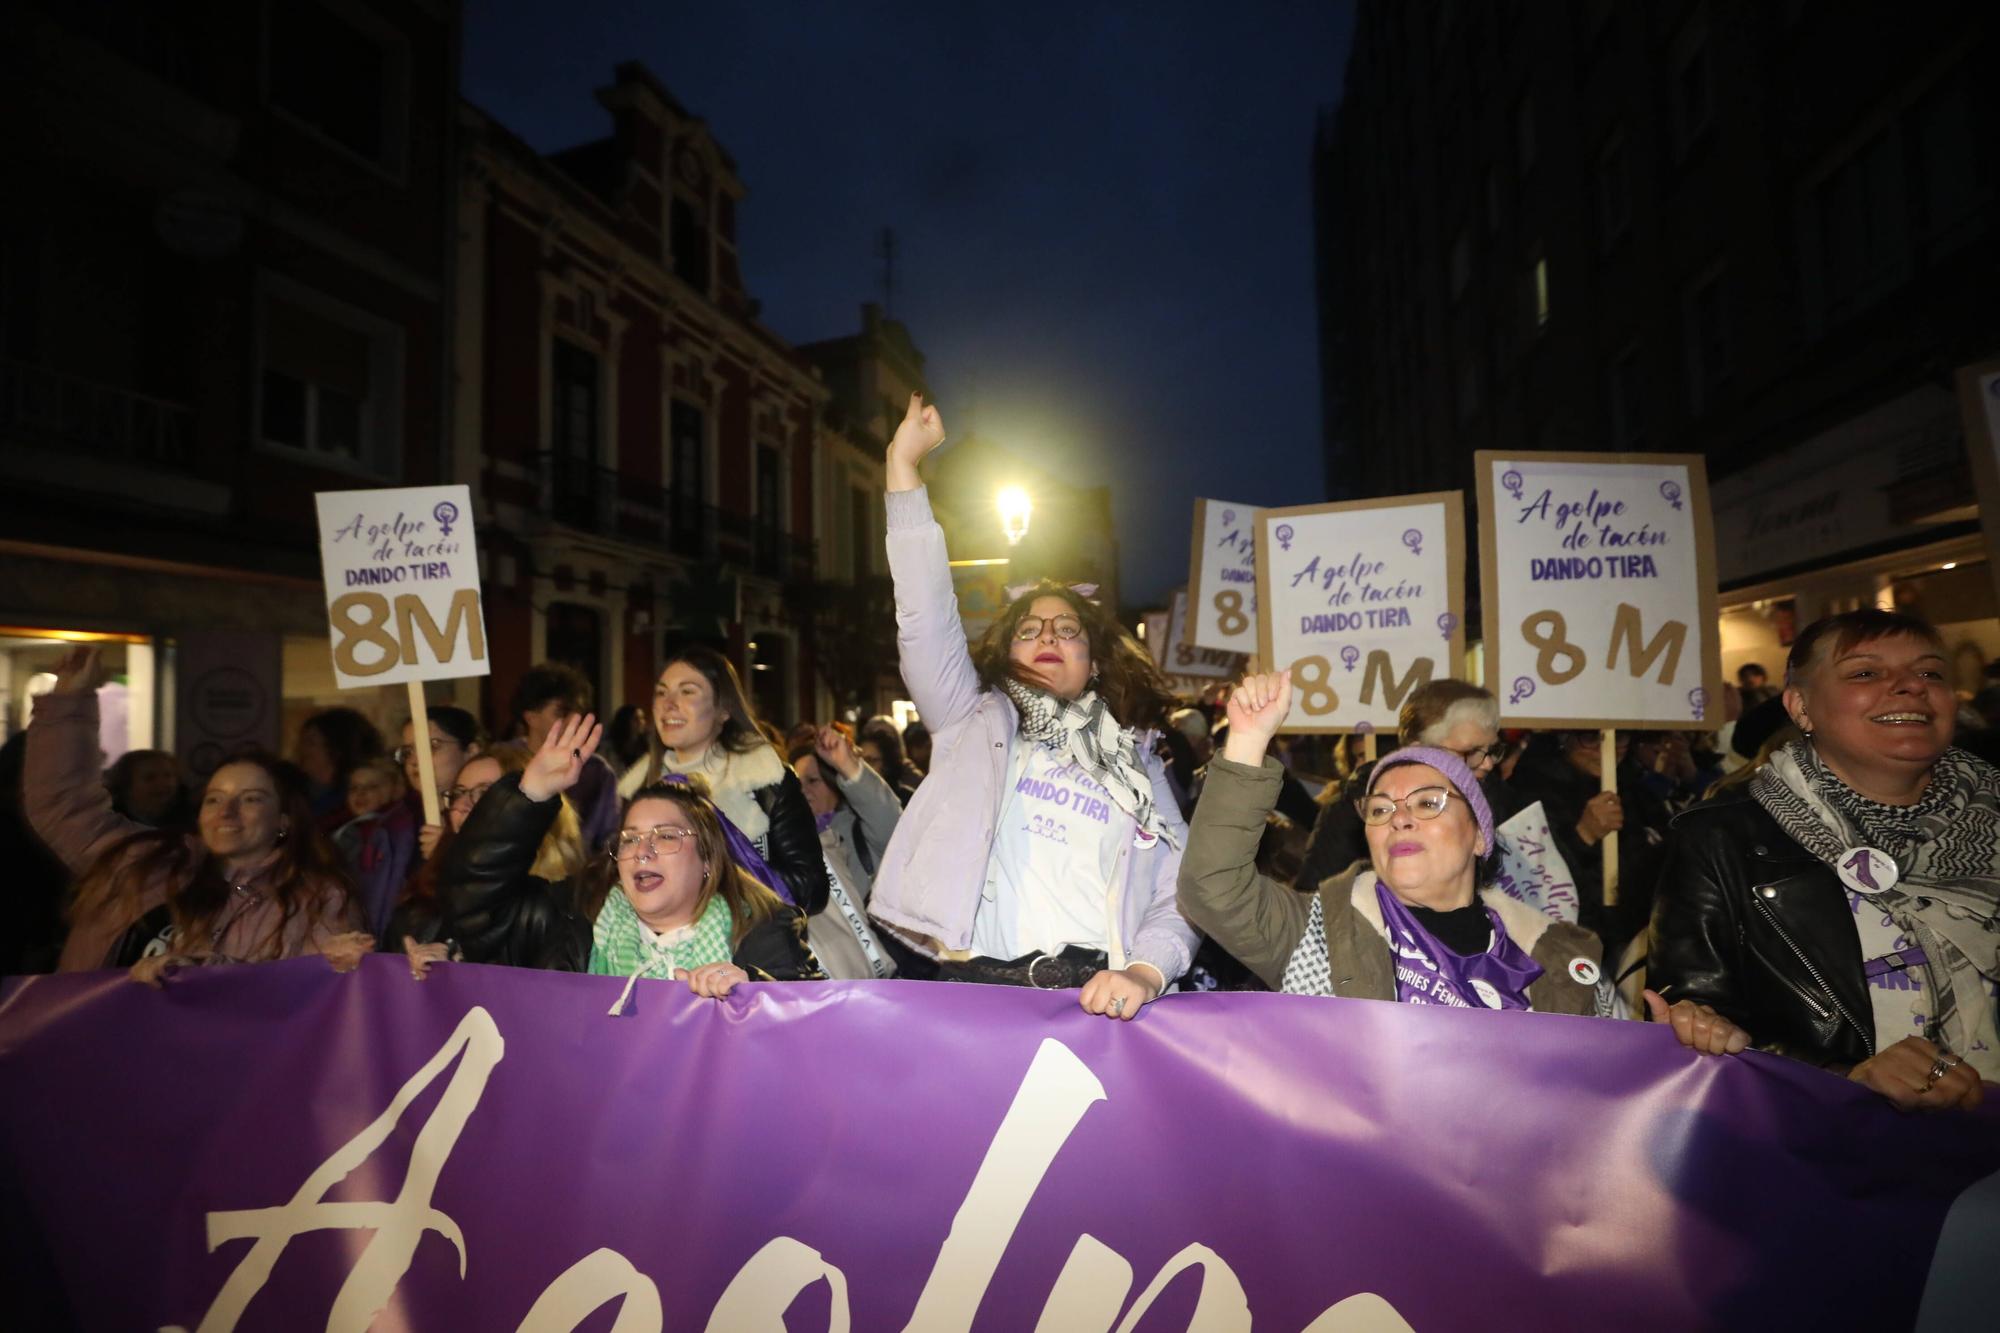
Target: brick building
(1764, 233)
(642, 449)
(223, 287)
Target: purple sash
(1428, 972)
(744, 850)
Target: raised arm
(930, 639)
(63, 791)
(1254, 917)
(876, 809)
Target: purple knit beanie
(1455, 772)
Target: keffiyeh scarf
(1947, 853)
(1083, 732)
(622, 946)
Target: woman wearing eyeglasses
(668, 900)
(1411, 924)
(1042, 848)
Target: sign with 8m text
(1364, 601)
(1598, 581)
(402, 585)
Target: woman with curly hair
(256, 882)
(1045, 842)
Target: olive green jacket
(1261, 921)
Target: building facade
(1762, 233)
(643, 451)
(224, 286)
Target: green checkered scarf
(621, 946)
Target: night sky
(1103, 212)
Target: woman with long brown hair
(669, 899)
(257, 882)
(1045, 842)
(704, 726)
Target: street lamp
(1015, 509)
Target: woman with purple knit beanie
(1410, 924)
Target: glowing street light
(1015, 509)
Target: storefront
(1876, 511)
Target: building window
(861, 524)
(340, 74)
(1621, 393)
(689, 241)
(1706, 333)
(1693, 90)
(329, 380)
(688, 503)
(1954, 180)
(575, 637)
(1614, 192)
(573, 430)
(1524, 134)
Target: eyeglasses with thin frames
(1063, 627)
(662, 840)
(1424, 803)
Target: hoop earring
(283, 833)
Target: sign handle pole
(1608, 740)
(420, 736)
(1368, 747)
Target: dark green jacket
(1261, 921)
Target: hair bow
(1016, 591)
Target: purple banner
(281, 1147)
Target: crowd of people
(1818, 879)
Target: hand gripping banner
(280, 1147)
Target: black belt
(1067, 970)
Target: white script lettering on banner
(1599, 593)
(1054, 1095)
(1532, 869)
(402, 585)
(1363, 601)
(1222, 577)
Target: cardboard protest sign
(1598, 581)
(1222, 577)
(1364, 600)
(1155, 623)
(1182, 658)
(1532, 869)
(402, 585)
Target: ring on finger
(1939, 1068)
(1118, 1007)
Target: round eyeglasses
(1063, 627)
(661, 840)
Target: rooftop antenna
(885, 245)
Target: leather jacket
(498, 912)
(792, 845)
(1751, 923)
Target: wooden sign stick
(1608, 781)
(420, 736)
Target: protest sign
(402, 596)
(1598, 580)
(1364, 601)
(1532, 869)
(281, 1146)
(1222, 577)
(1155, 624)
(1183, 658)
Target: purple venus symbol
(446, 514)
(1414, 540)
(1364, 728)
(1284, 536)
(1512, 481)
(1698, 700)
(1523, 687)
(1447, 623)
(1671, 490)
(1228, 517)
(1349, 656)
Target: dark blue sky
(1103, 211)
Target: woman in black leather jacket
(1840, 906)
(668, 901)
(703, 726)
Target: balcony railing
(98, 419)
(578, 493)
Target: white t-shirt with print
(1048, 881)
(1899, 999)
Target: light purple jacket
(935, 866)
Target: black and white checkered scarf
(1082, 731)
(1947, 852)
